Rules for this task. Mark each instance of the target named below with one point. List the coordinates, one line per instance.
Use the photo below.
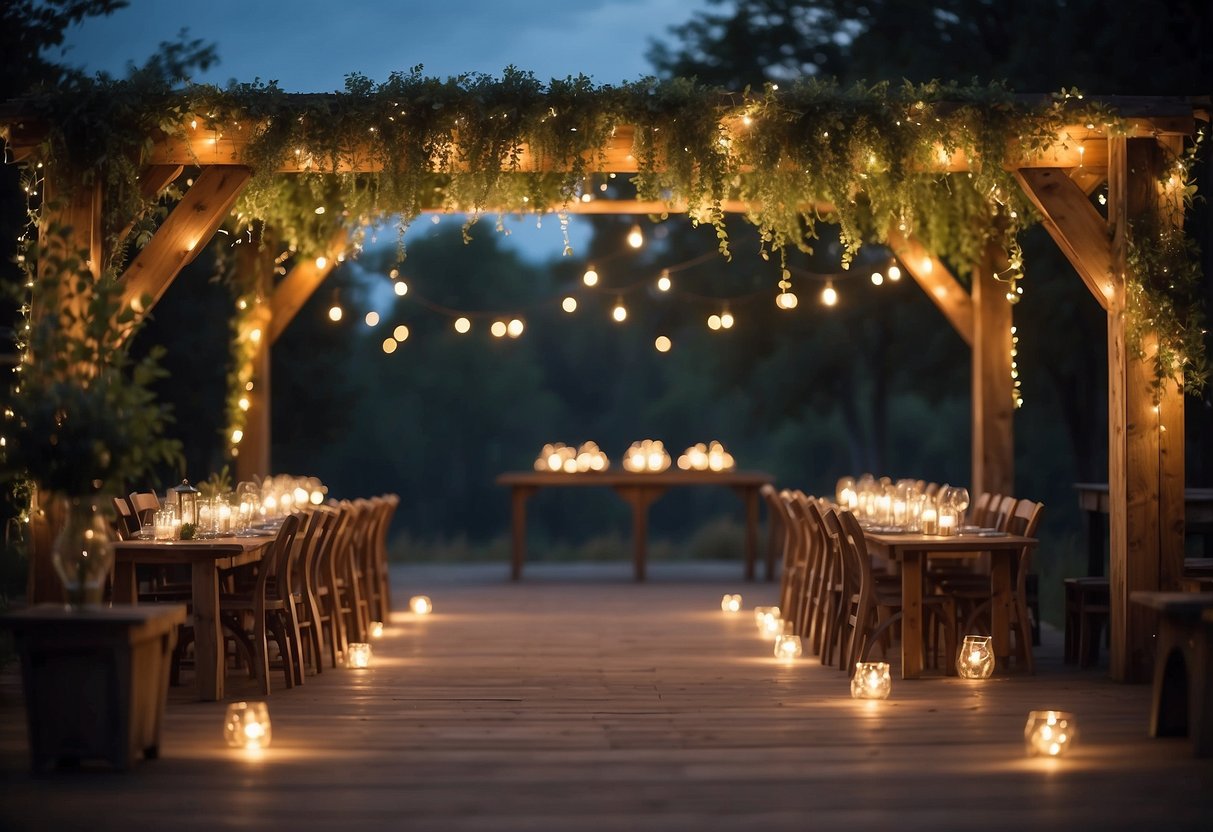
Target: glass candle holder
(421, 605)
(772, 626)
(730, 603)
(165, 525)
(788, 648)
(760, 613)
(1049, 733)
(376, 629)
(975, 659)
(929, 520)
(949, 521)
(871, 681)
(247, 725)
(359, 655)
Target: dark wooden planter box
(95, 680)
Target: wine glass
(960, 501)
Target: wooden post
(1145, 434)
(256, 264)
(993, 404)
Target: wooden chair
(838, 592)
(143, 502)
(791, 575)
(775, 532)
(778, 534)
(304, 591)
(266, 606)
(1023, 521)
(981, 508)
(126, 522)
(877, 606)
(350, 604)
(810, 586)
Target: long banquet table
(207, 559)
(639, 490)
(911, 552)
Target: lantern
(871, 681)
(421, 605)
(247, 725)
(359, 655)
(376, 629)
(730, 603)
(976, 658)
(1049, 733)
(788, 648)
(185, 498)
(760, 613)
(773, 626)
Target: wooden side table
(95, 680)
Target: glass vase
(82, 552)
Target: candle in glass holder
(224, 526)
(359, 655)
(975, 659)
(1049, 733)
(421, 605)
(376, 629)
(773, 626)
(871, 681)
(247, 725)
(947, 522)
(730, 603)
(788, 648)
(165, 528)
(930, 520)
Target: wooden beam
(635, 207)
(993, 389)
(152, 182)
(1074, 224)
(186, 230)
(301, 282)
(1088, 178)
(937, 281)
(1145, 465)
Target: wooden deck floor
(576, 700)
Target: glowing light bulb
(894, 273)
(400, 333)
(335, 313)
(590, 278)
(498, 329)
(786, 300)
(828, 295)
(243, 403)
(877, 278)
(663, 344)
(321, 262)
(726, 320)
(620, 312)
(389, 345)
(372, 318)
(569, 304)
(514, 328)
(401, 288)
(664, 283)
(462, 325)
(635, 237)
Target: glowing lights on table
(558, 457)
(375, 628)
(710, 457)
(730, 603)
(421, 605)
(975, 659)
(247, 725)
(1049, 733)
(872, 680)
(647, 456)
(788, 647)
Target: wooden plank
(1172, 511)
(301, 282)
(183, 233)
(1074, 224)
(992, 389)
(1088, 179)
(152, 182)
(936, 280)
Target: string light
(713, 322)
(620, 312)
(569, 304)
(389, 345)
(663, 344)
(372, 318)
(1016, 388)
(336, 313)
(462, 325)
(894, 273)
(635, 237)
(401, 333)
(498, 329)
(664, 283)
(877, 278)
(401, 288)
(829, 296)
(514, 328)
(726, 319)
(590, 278)
(786, 300)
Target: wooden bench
(1183, 667)
(95, 680)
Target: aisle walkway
(577, 700)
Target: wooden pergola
(1145, 428)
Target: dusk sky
(311, 45)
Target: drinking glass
(960, 501)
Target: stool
(1088, 603)
(1183, 667)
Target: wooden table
(207, 560)
(639, 491)
(911, 551)
(1093, 499)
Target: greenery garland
(871, 152)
